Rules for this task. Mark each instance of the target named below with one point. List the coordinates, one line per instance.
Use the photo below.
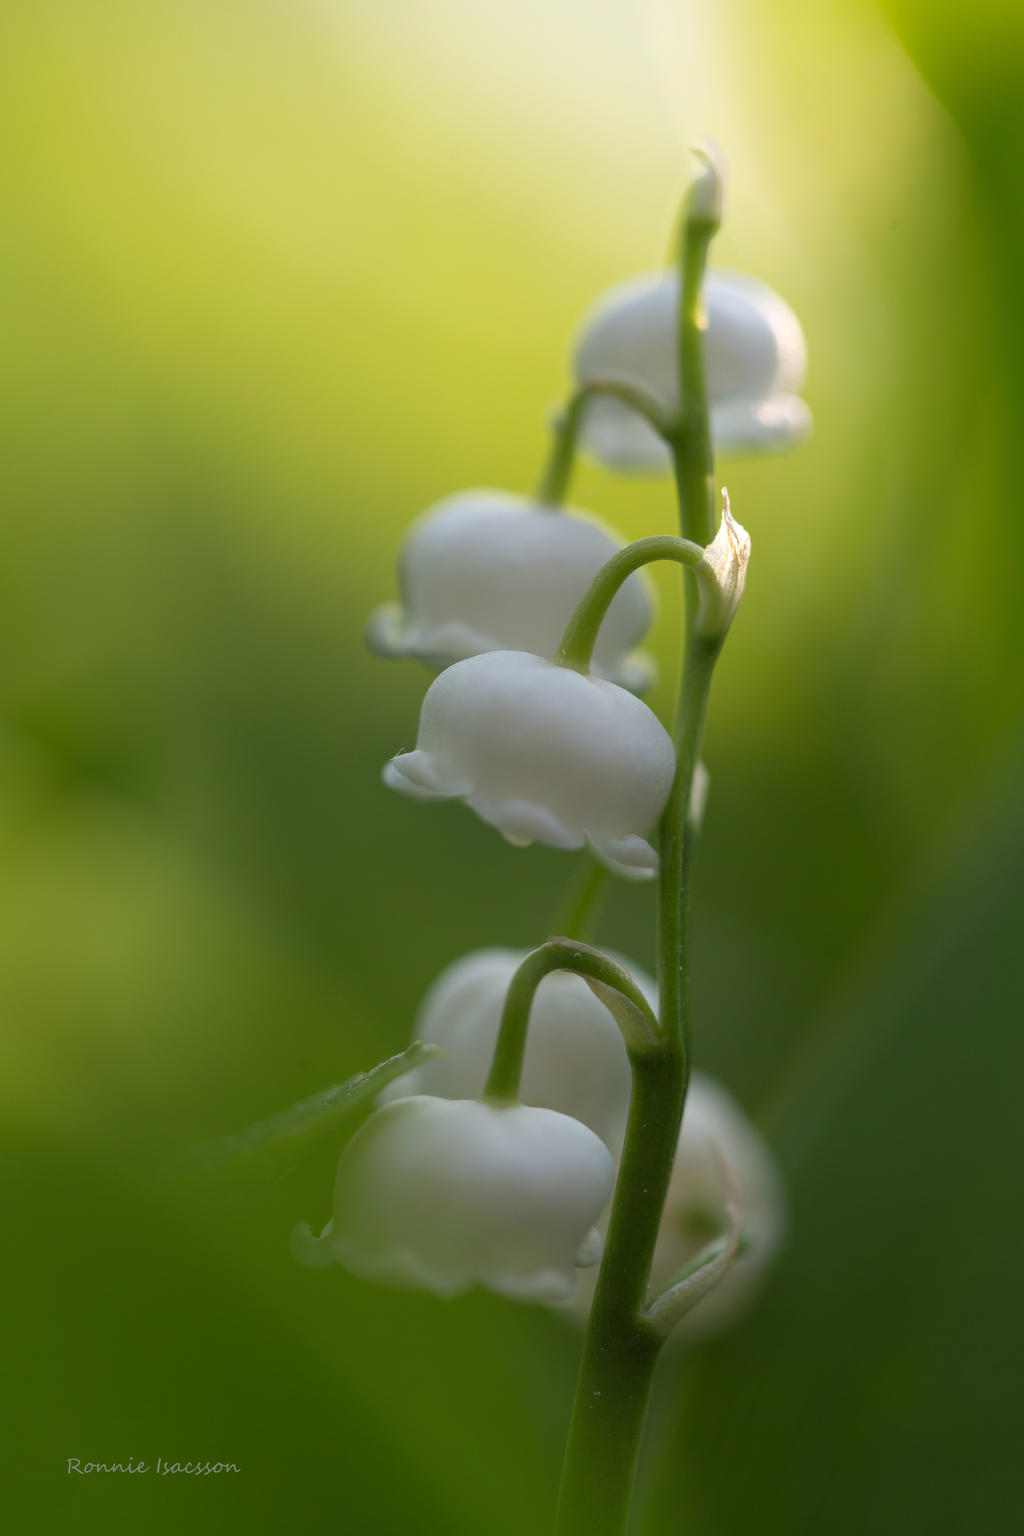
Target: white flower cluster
(533, 615)
(441, 1191)
(489, 582)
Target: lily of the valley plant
(548, 1140)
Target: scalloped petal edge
(617, 438)
(631, 856)
(522, 822)
(770, 424)
(390, 635)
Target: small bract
(755, 361)
(443, 1194)
(725, 562)
(545, 754)
(716, 1131)
(487, 571)
(575, 1060)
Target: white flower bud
(486, 571)
(755, 362)
(716, 1132)
(575, 1060)
(544, 754)
(704, 197)
(443, 1194)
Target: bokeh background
(275, 275)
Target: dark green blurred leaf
(877, 1388)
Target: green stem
(678, 845)
(554, 482)
(621, 1347)
(583, 899)
(690, 437)
(577, 647)
(560, 955)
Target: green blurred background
(274, 277)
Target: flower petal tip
(591, 1250)
(631, 857)
(314, 1252)
(415, 773)
(522, 822)
(637, 673)
(384, 631)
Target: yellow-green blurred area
(274, 276)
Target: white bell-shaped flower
(755, 362)
(716, 1132)
(575, 1059)
(442, 1194)
(486, 571)
(544, 754)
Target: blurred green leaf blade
(875, 1387)
(274, 1145)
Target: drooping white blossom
(720, 1155)
(443, 1194)
(755, 362)
(575, 1059)
(487, 571)
(544, 754)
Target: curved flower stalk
(544, 753)
(575, 1059)
(755, 360)
(487, 571)
(443, 1194)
